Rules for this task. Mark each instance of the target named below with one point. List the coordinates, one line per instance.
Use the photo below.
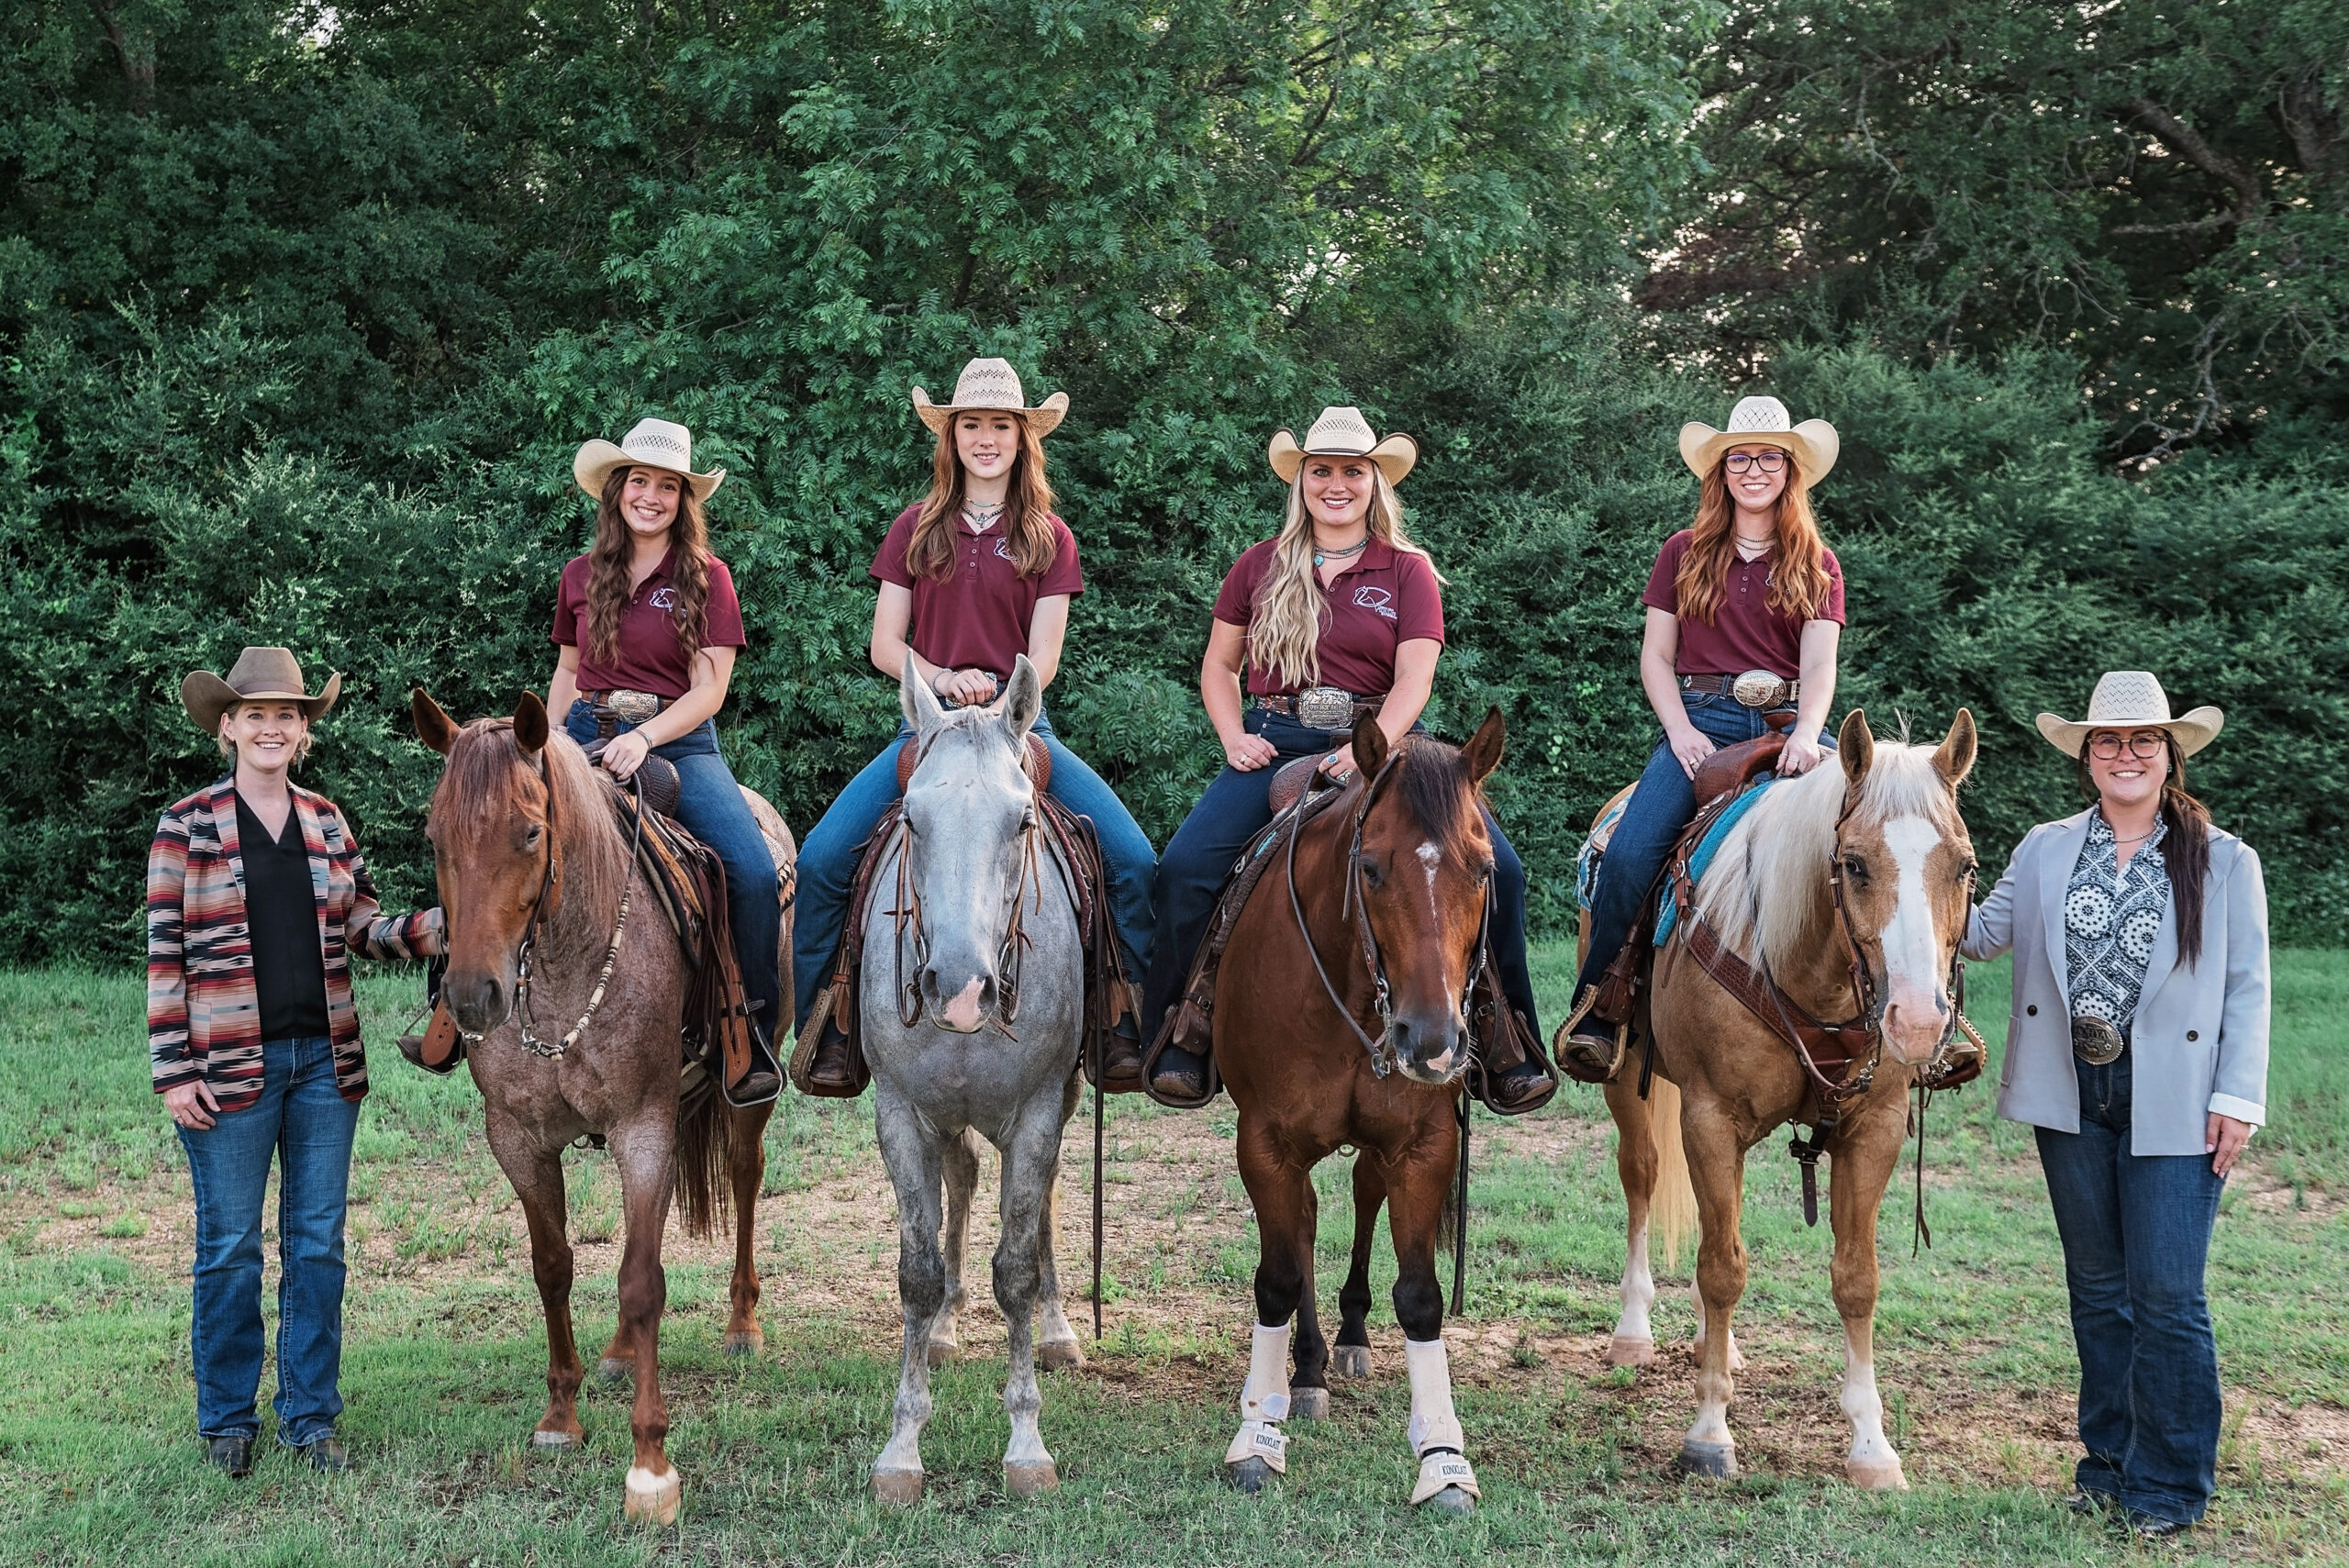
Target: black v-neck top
(282, 914)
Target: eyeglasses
(1768, 462)
(2145, 747)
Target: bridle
(1355, 911)
(550, 881)
(1010, 955)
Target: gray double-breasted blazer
(2199, 1041)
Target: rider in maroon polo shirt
(978, 572)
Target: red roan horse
(1385, 895)
(528, 848)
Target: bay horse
(1384, 898)
(971, 1004)
(1887, 820)
(529, 849)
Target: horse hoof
(1030, 1477)
(744, 1343)
(1053, 1355)
(1351, 1361)
(546, 1437)
(942, 1352)
(1308, 1403)
(1876, 1474)
(1717, 1461)
(900, 1488)
(1624, 1352)
(1249, 1475)
(1451, 1500)
(654, 1499)
(612, 1369)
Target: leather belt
(1755, 688)
(1322, 708)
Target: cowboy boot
(752, 1078)
(1587, 1046)
(1121, 1052)
(1513, 1088)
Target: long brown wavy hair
(2186, 852)
(1798, 580)
(608, 562)
(1027, 507)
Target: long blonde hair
(1284, 623)
(1027, 513)
(1798, 580)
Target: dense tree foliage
(305, 307)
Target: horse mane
(1432, 778)
(482, 769)
(1766, 889)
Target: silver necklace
(1323, 557)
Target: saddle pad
(1669, 912)
(1594, 850)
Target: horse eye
(1856, 868)
(534, 834)
(1370, 872)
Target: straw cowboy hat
(992, 383)
(260, 674)
(654, 444)
(1342, 433)
(2132, 699)
(1761, 422)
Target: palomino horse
(1887, 817)
(1384, 898)
(530, 854)
(972, 997)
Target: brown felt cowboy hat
(992, 384)
(1342, 433)
(654, 444)
(2132, 699)
(260, 674)
(1762, 422)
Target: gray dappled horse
(972, 996)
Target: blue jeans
(2136, 1231)
(1664, 804)
(710, 804)
(828, 858)
(1235, 808)
(307, 1125)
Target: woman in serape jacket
(256, 897)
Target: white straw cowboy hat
(992, 383)
(260, 674)
(2133, 699)
(654, 444)
(1342, 433)
(1761, 421)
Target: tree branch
(134, 52)
(2187, 143)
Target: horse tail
(1672, 1206)
(705, 1151)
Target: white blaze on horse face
(1915, 1008)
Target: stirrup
(1592, 1057)
(762, 1081)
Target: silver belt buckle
(633, 707)
(1757, 688)
(1325, 707)
(2095, 1040)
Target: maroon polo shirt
(647, 657)
(1746, 633)
(977, 618)
(1383, 598)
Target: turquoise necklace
(1323, 557)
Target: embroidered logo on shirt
(1378, 601)
(1003, 550)
(663, 599)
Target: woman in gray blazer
(2140, 936)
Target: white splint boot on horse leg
(1446, 1482)
(1259, 1450)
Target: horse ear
(1023, 697)
(433, 727)
(916, 701)
(1482, 752)
(1855, 745)
(1954, 756)
(1369, 746)
(530, 723)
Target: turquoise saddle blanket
(1669, 914)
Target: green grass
(444, 1356)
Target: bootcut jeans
(303, 1121)
(2136, 1231)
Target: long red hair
(1027, 508)
(608, 561)
(1798, 580)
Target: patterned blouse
(2110, 921)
